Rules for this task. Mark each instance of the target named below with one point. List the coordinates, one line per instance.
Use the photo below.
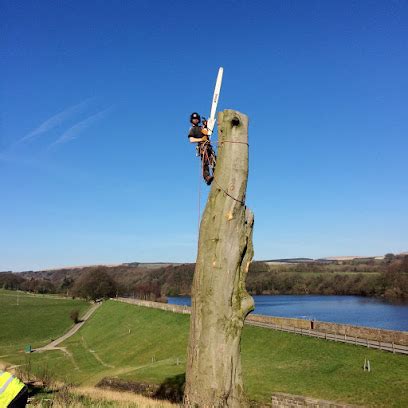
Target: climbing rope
(199, 204)
(228, 194)
(211, 162)
(231, 141)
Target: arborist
(199, 134)
(13, 392)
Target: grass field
(136, 343)
(84, 397)
(33, 319)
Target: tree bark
(220, 301)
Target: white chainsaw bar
(211, 119)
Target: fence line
(254, 320)
(392, 347)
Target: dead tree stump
(220, 301)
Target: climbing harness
(208, 157)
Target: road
(54, 344)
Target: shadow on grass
(35, 388)
(172, 388)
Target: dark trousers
(206, 154)
(21, 399)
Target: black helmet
(195, 115)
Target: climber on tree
(199, 134)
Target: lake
(355, 310)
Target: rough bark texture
(220, 301)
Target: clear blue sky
(95, 165)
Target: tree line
(387, 278)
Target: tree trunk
(220, 301)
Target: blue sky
(95, 165)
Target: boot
(209, 180)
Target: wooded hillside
(388, 278)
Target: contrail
(55, 120)
(74, 131)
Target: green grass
(272, 361)
(283, 362)
(33, 319)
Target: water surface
(355, 310)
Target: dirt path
(53, 345)
(95, 354)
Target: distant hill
(350, 258)
(288, 260)
(327, 259)
(157, 265)
(151, 265)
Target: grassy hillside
(33, 319)
(136, 343)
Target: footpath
(54, 344)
